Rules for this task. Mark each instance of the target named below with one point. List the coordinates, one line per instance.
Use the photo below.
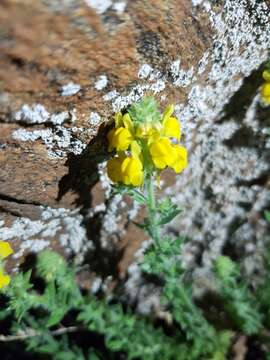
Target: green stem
(152, 210)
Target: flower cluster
(5, 251)
(145, 141)
(265, 90)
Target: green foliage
(60, 348)
(267, 65)
(203, 340)
(267, 215)
(238, 299)
(167, 211)
(164, 261)
(51, 266)
(194, 338)
(125, 332)
(20, 298)
(263, 292)
(145, 111)
(131, 191)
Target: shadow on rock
(83, 170)
(241, 100)
(81, 178)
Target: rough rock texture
(67, 66)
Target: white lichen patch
(136, 94)
(111, 217)
(94, 119)
(214, 198)
(37, 114)
(119, 7)
(110, 95)
(59, 118)
(59, 140)
(219, 202)
(32, 114)
(153, 81)
(101, 82)
(181, 77)
(25, 135)
(96, 285)
(33, 246)
(145, 71)
(73, 113)
(100, 6)
(70, 89)
(196, 2)
(158, 86)
(61, 225)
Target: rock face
(67, 66)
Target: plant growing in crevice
(56, 317)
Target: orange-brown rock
(66, 67)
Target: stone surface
(67, 66)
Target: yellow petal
(162, 153)
(119, 139)
(4, 280)
(135, 149)
(265, 92)
(114, 169)
(137, 179)
(132, 171)
(168, 112)
(123, 139)
(180, 162)
(171, 128)
(128, 123)
(5, 249)
(118, 118)
(266, 75)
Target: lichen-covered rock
(66, 67)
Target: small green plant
(239, 302)
(50, 318)
(37, 317)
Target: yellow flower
(114, 169)
(132, 171)
(168, 112)
(142, 138)
(265, 92)
(119, 139)
(171, 128)
(147, 131)
(162, 153)
(5, 249)
(128, 124)
(181, 158)
(4, 279)
(266, 75)
(118, 120)
(135, 150)
(125, 169)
